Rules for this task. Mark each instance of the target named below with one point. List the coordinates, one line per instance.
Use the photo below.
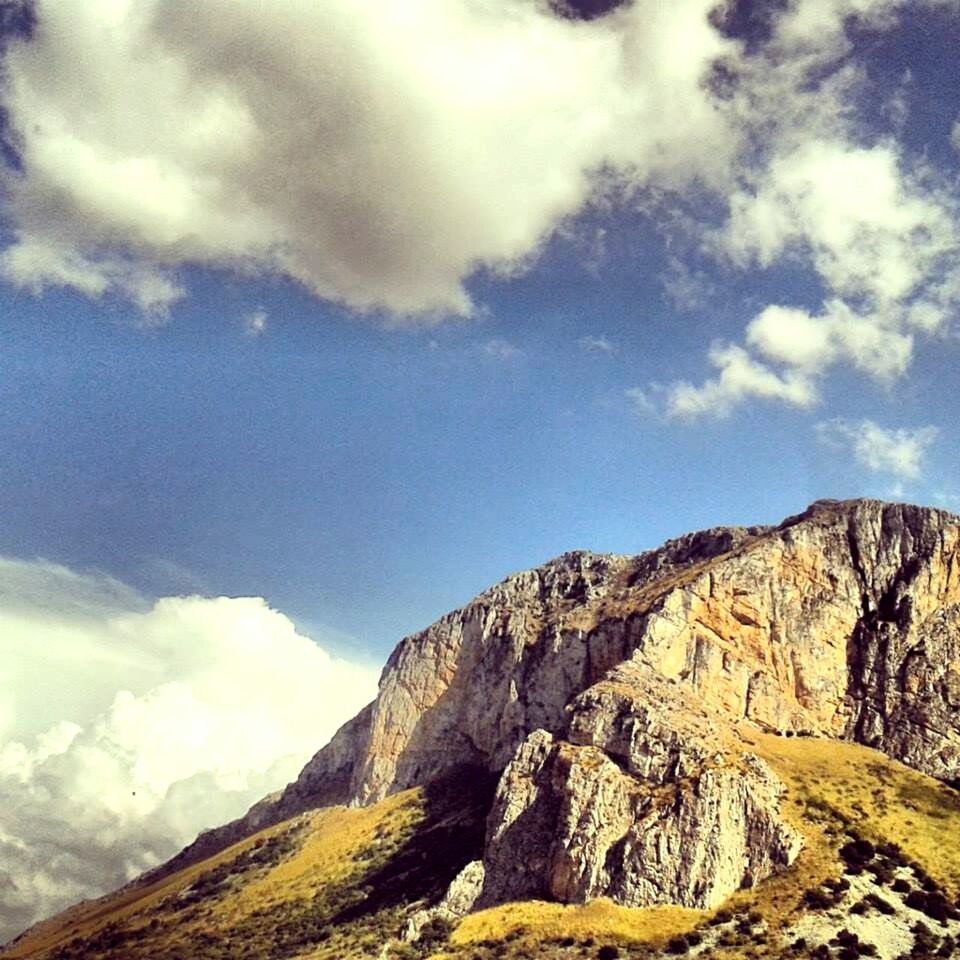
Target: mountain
(745, 740)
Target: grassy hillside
(882, 856)
(332, 884)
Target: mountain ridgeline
(593, 676)
(648, 729)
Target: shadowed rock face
(610, 691)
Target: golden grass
(832, 788)
(87, 917)
(882, 798)
(827, 781)
(325, 855)
(537, 922)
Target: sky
(317, 320)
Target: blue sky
(359, 308)
(368, 479)
(366, 468)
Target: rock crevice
(606, 691)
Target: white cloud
(640, 401)
(871, 230)
(128, 726)
(878, 229)
(811, 343)
(741, 377)
(377, 154)
(597, 344)
(801, 347)
(955, 135)
(791, 336)
(383, 156)
(899, 453)
(256, 323)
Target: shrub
(403, 951)
(924, 941)
(934, 904)
(678, 945)
(891, 850)
(878, 903)
(845, 938)
(434, 932)
(608, 953)
(858, 851)
(816, 899)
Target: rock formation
(610, 693)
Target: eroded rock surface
(608, 690)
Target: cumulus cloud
(798, 339)
(879, 231)
(792, 351)
(899, 453)
(383, 155)
(740, 377)
(871, 230)
(129, 726)
(378, 154)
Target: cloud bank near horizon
(129, 726)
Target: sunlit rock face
(611, 693)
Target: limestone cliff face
(569, 824)
(610, 692)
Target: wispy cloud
(686, 288)
(502, 350)
(899, 453)
(255, 323)
(640, 401)
(597, 344)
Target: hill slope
(662, 731)
(343, 883)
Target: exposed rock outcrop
(608, 690)
(569, 824)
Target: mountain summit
(630, 713)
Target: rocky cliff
(614, 697)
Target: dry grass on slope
(332, 885)
(836, 791)
(339, 884)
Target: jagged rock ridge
(611, 694)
